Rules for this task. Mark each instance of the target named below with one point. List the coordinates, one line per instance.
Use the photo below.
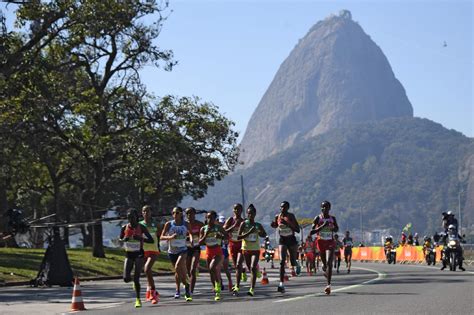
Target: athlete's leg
(127, 270)
(136, 275)
(148, 271)
(194, 267)
(283, 254)
(253, 267)
(238, 269)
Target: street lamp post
(459, 211)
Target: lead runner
(324, 226)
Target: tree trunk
(97, 241)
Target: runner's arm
(261, 232)
(164, 235)
(149, 238)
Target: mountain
(336, 75)
(336, 124)
(395, 171)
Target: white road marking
(436, 268)
(380, 276)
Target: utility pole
(361, 231)
(459, 211)
(242, 190)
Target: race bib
(325, 235)
(131, 246)
(178, 242)
(252, 237)
(212, 241)
(285, 230)
(349, 243)
(234, 236)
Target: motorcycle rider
(269, 251)
(452, 235)
(388, 245)
(448, 219)
(426, 245)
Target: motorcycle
(452, 253)
(268, 255)
(430, 256)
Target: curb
(85, 279)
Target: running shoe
(154, 297)
(235, 290)
(348, 271)
(217, 289)
(148, 295)
(177, 295)
(188, 297)
(327, 290)
(281, 289)
(251, 292)
(293, 273)
(138, 303)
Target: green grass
(17, 264)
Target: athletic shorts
(310, 256)
(225, 252)
(337, 252)
(174, 257)
(234, 248)
(151, 253)
(324, 245)
(193, 250)
(212, 252)
(347, 251)
(288, 241)
(250, 252)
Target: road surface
(371, 288)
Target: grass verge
(18, 264)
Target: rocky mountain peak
(335, 76)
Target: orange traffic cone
(77, 303)
(265, 277)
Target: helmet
(326, 205)
(450, 213)
(425, 238)
(221, 219)
(451, 227)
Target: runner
(212, 235)
(231, 226)
(348, 243)
(225, 262)
(325, 225)
(131, 235)
(309, 247)
(194, 250)
(287, 225)
(249, 231)
(151, 253)
(176, 231)
(337, 253)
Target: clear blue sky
(229, 51)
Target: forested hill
(398, 170)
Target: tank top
(234, 233)
(178, 244)
(309, 247)
(152, 228)
(348, 242)
(326, 233)
(251, 241)
(132, 245)
(195, 229)
(283, 229)
(214, 238)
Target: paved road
(368, 289)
